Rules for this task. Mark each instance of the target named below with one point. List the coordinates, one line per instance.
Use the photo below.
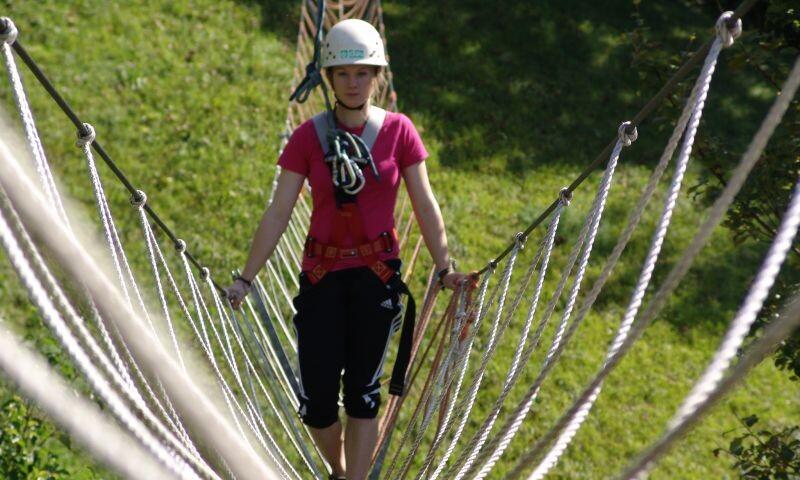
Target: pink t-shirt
(397, 146)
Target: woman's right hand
(236, 292)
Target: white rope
(31, 133)
(478, 440)
(741, 324)
(454, 353)
(123, 384)
(98, 383)
(118, 256)
(120, 376)
(233, 406)
(123, 268)
(252, 418)
(466, 406)
(583, 248)
(775, 333)
(466, 348)
(152, 245)
(272, 357)
(40, 159)
(252, 373)
(48, 183)
(715, 215)
(203, 312)
(499, 291)
(712, 377)
(83, 420)
(284, 290)
(280, 252)
(463, 349)
(64, 246)
(570, 429)
(633, 222)
(278, 315)
(455, 348)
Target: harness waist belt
(384, 244)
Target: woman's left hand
(453, 279)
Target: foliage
(23, 439)
(764, 454)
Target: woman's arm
(426, 210)
(273, 222)
(269, 231)
(429, 218)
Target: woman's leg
(319, 325)
(373, 312)
(361, 435)
(329, 441)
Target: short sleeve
(413, 150)
(295, 155)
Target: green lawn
(512, 99)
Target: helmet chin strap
(346, 107)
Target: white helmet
(353, 42)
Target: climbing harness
(348, 220)
(347, 155)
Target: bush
(22, 444)
(765, 454)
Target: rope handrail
(645, 111)
(474, 456)
(83, 131)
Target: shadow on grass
(708, 296)
(517, 83)
(280, 17)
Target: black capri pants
(344, 323)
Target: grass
(512, 100)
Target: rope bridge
(194, 389)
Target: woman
(349, 302)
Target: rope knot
(180, 246)
(8, 31)
(627, 133)
(519, 240)
(86, 135)
(727, 29)
(205, 273)
(492, 265)
(139, 199)
(565, 196)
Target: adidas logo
(387, 303)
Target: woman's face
(353, 84)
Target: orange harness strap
(349, 218)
